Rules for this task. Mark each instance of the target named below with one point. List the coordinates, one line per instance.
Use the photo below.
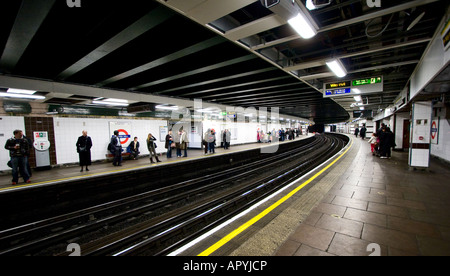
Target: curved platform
(359, 205)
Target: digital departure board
(336, 85)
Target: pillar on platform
(420, 138)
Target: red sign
(125, 136)
(434, 130)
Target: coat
(184, 140)
(84, 145)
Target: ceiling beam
(138, 28)
(246, 74)
(255, 27)
(174, 56)
(317, 63)
(29, 19)
(352, 21)
(197, 71)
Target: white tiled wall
(67, 131)
(442, 149)
(7, 127)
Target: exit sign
(366, 81)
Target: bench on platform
(124, 154)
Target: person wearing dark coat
(116, 149)
(134, 148)
(84, 145)
(170, 143)
(18, 151)
(151, 146)
(362, 132)
(356, 131)
(387, 141)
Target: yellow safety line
(252, 221)
(121, 170)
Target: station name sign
(357, 86)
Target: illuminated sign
(366, 81)
(337, 92)
(338, 85)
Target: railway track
(158, 221)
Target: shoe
(14, 183)
(87, 169)
(383, 157)
(28, 181)
(81, 170)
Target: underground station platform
(328, 201)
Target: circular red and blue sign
(123, 137)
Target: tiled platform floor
(382, 201)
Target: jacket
(23, 150)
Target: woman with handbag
(152, 148)
(84, 145)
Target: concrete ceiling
(233, 52)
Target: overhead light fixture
(337, 67)
(21, 91)
(317, 4)
(111, 102)
(361, 108)
(166, 107)
(358, 98)
(302, 26)
(21, 96)
(116, 101)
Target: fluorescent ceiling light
(21, 96)
(337, 68)
(357, 98)
(302, 26)
(110, 103)
(21, 91)
(165, 107)
(204, 111)
(361, 108)
(115, 101)
(311, 6)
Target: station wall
(67, 131)
(8, 125)
(441, 147)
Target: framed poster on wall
(163, 131)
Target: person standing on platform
(152, 148)
(211, 139)
(362, 132)
(18, 151)
(205, 140)
(169, 144)
(373, 143)
(184, 140)
(84, 145)
(356, 131)
(227, 139)
(116, 149)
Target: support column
(419, 149)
